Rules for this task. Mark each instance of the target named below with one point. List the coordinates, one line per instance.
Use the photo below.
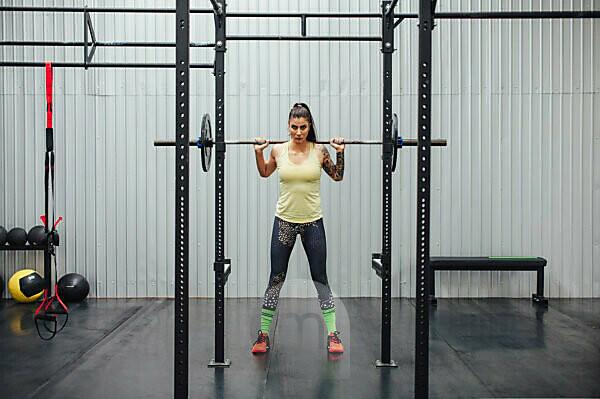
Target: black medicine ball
(73, 287)
(37, 236)
(17, 236)
(3, 235)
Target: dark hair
(301, 110)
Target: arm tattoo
(336, 172)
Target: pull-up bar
(100, 65)
(250, 14)
(98, 44)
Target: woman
(299, 162)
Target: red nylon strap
(49, 95)
(65, 307)
(43, 302)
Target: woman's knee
(277, 279)
(320, 281)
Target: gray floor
(478, 348)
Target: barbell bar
(205, 142)
(197, 143)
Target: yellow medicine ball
(26, 286)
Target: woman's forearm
(335, 171)
(260, 163)
(339, 166)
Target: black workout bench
(489, 264)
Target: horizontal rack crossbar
(310, 38)
(98, 44)
(514, 15)
(96, 65)
(440, 15)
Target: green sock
(329, 317)
(266, 318)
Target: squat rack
(380, 262)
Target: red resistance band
(49, 95)
(45, 305)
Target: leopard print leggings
(283, 239)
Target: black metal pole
(182, 111)
(387, 48)
(444, 15)
(48, 186)
(48, 267)
(88, 28)
(307, 38)
(85, 39)
(192, 11)
(302, 15)
(86, 43)
(220, 261)
(519, 15)
(99, 65)
(303, 25)
(423, 202)
(115, 10)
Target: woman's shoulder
(320, 150)
(278, 148)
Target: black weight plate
(206, 140)
(395, 138)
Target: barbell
(205, 142)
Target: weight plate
(395, 138)
(206, 141)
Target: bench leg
(538, 297)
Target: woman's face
(298, 128)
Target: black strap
(44, 313)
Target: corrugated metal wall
(519, 102)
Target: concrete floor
(122, 348)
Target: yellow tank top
(299, 187)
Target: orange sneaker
(334, 343)
(262, 343)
